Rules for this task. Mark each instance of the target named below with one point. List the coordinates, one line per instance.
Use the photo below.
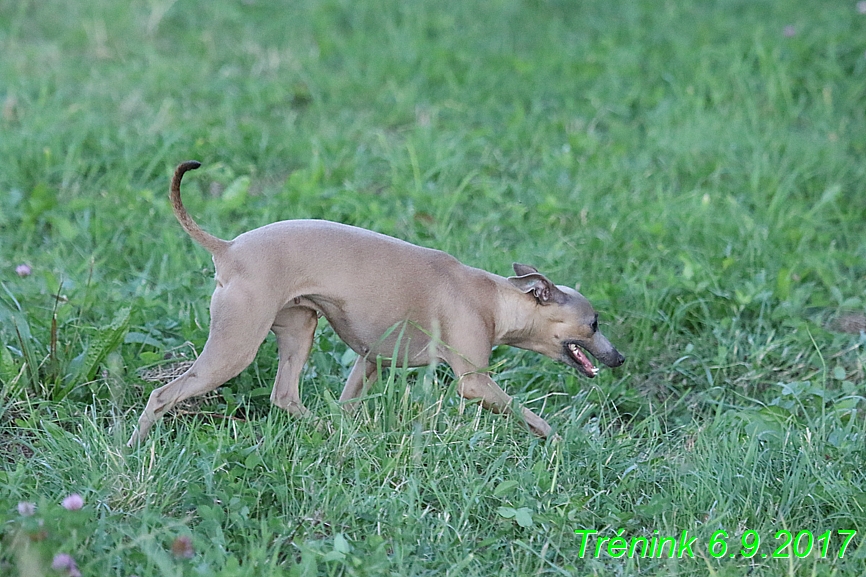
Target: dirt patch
(15, 442)
(852, 323)
(165, 373)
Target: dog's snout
(611, 358)
(616, 359)
(604, 351)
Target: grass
(695, 166)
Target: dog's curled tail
(207, 240)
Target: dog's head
(564, 324)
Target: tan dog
(382, 296)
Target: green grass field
(697, 167)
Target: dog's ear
(523, 269)
(541, 288)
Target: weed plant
(695, 166)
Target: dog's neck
(514, 318)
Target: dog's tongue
(583, 360)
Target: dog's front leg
(364, 374)
(493, 398)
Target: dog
(385, 298)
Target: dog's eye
(595, 324)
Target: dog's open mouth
(580, 360)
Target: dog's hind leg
(239, 324)
(294, 328)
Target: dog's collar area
(580, 360)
